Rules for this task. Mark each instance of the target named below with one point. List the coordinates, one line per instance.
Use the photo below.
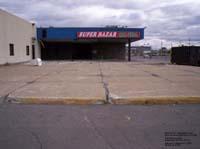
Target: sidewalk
(99, 83)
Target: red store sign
(108, 34)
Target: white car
(146, 56)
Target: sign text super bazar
(108, 34)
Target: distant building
(164, 51)
(155, 52)
(140, 50)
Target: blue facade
(71, 33)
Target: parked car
(146, 56)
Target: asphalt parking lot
(98, 82)
(99, 126)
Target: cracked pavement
(96, 126)
(98, 80)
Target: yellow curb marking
(61, 101)
(162, 100)
(129, 101)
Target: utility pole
(189, 42)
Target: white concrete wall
(18, 32)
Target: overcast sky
(171, 21)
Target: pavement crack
(36, 136)
(190, 71)
(124, 136)
(97, 132)
(105, 85)
(152, 74)
(7, 99)
(158, 76)
(155, 75)
(33, 81)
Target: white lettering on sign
(97, 34)
(108, 34)
(88, 34)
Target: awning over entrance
(54, 33)
(86, 43)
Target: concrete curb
(63, 101)
(95, 101)
(160, 100)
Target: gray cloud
(167, 20)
